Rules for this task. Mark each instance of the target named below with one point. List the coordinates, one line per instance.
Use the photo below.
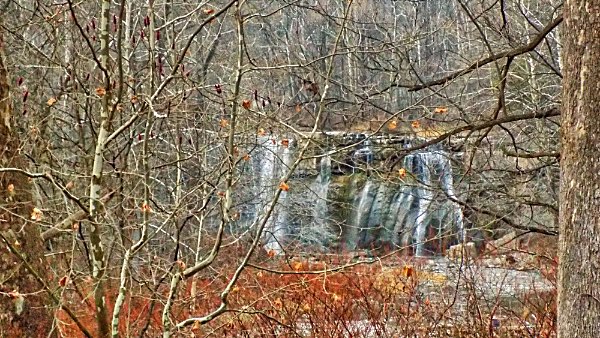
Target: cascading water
(403, 214)
(321, 189)
(272, 161)
(425, 166)
(359, 208)
(447, 181)
(362, 215)
(278, 229)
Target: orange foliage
(100, 91)
(329, 303)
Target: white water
(425, 198)
(404, 215)
(362, 213)
(274, 162)
(321, 189)
(447, 181)
(381, 210)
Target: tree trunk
(23, 300)
(96, 184)
(579, 251)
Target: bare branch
(482, 62)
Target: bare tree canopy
(343, 168)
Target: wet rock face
(409, 211)
(360, 207)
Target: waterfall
(361, 215)
(272, 163)
(402, 215)
(425, 197)
(406, 216)
(278, 230)
(371, 208)
(364, 154)
(321, 189)
(447, 181)
(405, 213)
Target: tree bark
(96, 184)
(23, 300)
(579, 244)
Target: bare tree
(177, 148)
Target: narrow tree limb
(482, 62)
(50, 179)
(67, 223)
(507, 119)
(507, 220)
(89, 43)
(532, 155)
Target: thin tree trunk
(98, 259)
(579, 244)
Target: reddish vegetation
(359, 301)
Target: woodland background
(125, 124)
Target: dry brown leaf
(51, 101)
(246, 104)
(146, 207)
(36, 214)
